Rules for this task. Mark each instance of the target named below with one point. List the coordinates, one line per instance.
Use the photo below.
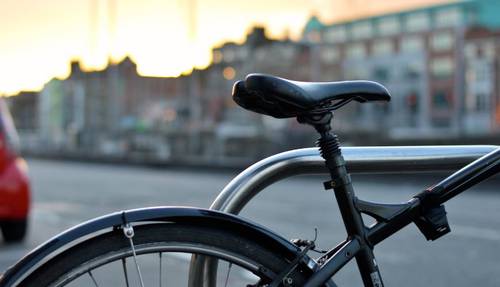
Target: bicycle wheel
(163, 253)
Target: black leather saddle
(282, 98)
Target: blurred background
(149, 82)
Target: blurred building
(240, 132)
(441, 64)
(23, 107)
(482, 81)
(104, 111)
(418, 55)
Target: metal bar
(397, 159)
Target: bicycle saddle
(282, 98)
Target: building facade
(418, 54)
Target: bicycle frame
(391, 218)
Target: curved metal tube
(397, 159)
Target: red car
(14, 183)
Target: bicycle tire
(113, 246)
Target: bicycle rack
(390, 159)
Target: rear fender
(94, 227)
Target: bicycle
(264, 258)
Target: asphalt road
(66, 193)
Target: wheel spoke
(228, 271)
(160, 269)
(136, 264)
(124, 265)
(93, 279)
(128, 230)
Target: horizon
(48, 37)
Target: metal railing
(396, 159)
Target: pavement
(66, 193)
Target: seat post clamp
(337, 182)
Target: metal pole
(395, 159)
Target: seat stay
(344, 253)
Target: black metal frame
(425, 208)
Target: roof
(487, 14)
(313, 24)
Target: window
(480, 79)
(470, 50)
(228, 55)
(336, 34)
(482, 72)
(481, 104)
(489, 50)
(313, 36)
(356, 72)
(413, 71)
(329, 54)
(417, 22)
(361, 30)
(412, 44)
(442, 41)
(381, 74)
(388, 26)
(242, 53)
(356, 51)
(217, 56)
(382, 47)
(440, 100)
(442, 67)
(261, 54)
(287, 52)
(412, 102)
(449, 17)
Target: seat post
(329, 146)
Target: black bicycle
(171, 246)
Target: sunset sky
(38, 38)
